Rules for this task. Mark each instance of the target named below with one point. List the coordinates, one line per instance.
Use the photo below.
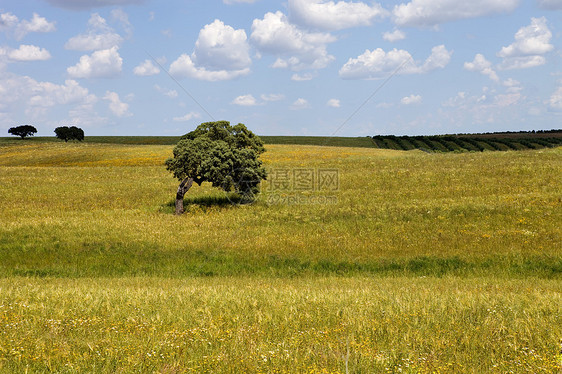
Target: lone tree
(226, 156)
(22, 130)
(69, 133)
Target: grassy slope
(96, 221)
(94, 210)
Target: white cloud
(412, 99)
(184, 67)
(245, 100)
(8, 21)
(25, 53)
(334, 103)
(117, 107)
(482, 66)
(272, 97)
(36, 98)
(394, 36)
(300, 103)
(531, 43)
(146, 68)
(89, 4)
(11, 23)
(302, 77)
(101, 64)
(37, 24)
(220, 53)
(221, 47)
(555, 101)
(120, 16)
(172, 94)
(379, 64)
(296, 49)
(98, 36)
(187, 117)
(330, 15)
(524, 62)
(434, 12)
(513, 86)
(550, 4)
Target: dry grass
(422, 325)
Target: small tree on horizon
(226, 156)
(69, 133)
(22, 131)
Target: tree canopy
(69, 133)
(23, 131)
(224, 155)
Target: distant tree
(69, 133)
(22, 130)
(226, 156)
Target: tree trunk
(184, 186)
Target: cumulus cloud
(394, 36)
(245, 100)
(220, 53)
(22, 92)
(8, 21)
(433, 12)
(25, 53)
(330, 15)
(550, 4)
(379, 64)
(412, 99)
(89, 4)
(296, 49)
(146, 68)
(106, 63)
(334, 103)
(482, 66)
(11, 24)
(299, 104)
(272, 97)
(220, 46)
(184, 67)
(531, 43)
(555, 101)
(116, 106)
(98, 36)
(187, 117)
(120, 16)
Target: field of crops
(471, 142)
(412, 262)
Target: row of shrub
(463, 143)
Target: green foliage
(470, 142)
(23, 131)
(69, 133)
(224, 155)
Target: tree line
(65, 133)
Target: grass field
(416, 263)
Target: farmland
(416, 262)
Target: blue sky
(301, 67)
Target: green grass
(419, 262)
